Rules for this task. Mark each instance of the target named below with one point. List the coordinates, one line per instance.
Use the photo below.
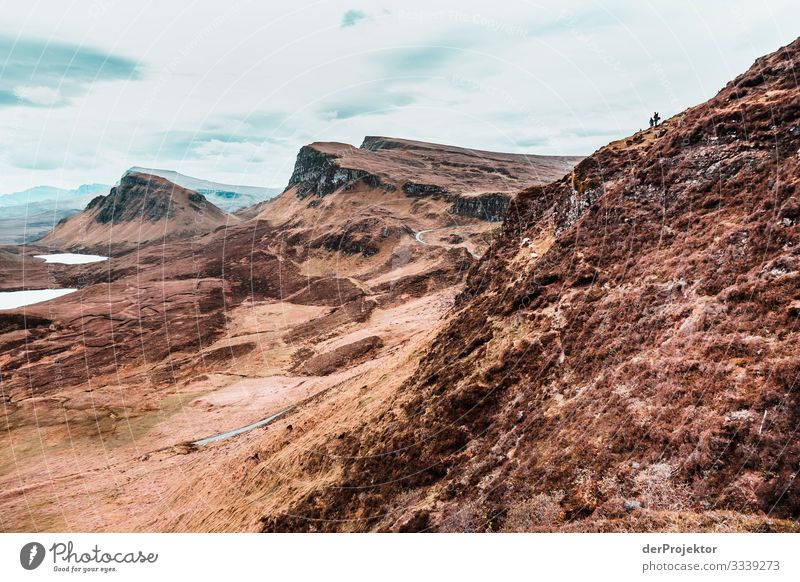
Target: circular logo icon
(31, 555)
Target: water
(14, 299)
(231, 433)
(71, 258)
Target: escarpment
(317, 172)
(472, 183)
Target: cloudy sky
(230, 90)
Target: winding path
(221, 436)
(418, 236)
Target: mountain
(228, 197)
(141, 208)
(476, 183)
(375, 351)
(29, 214)
(370, 353)
(625, 357)
(360, 201)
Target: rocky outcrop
(488, 207)
(348, 243)
(319, 173)
(150, 198)
(416, 190)
(375, 143)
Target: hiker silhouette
(656, 118)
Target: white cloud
(43, 96)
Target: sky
(229, 91)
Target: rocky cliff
(489, 207)
(317, 171)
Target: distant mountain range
(27, 215)
(52, 197)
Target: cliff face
(489, 207)
(142, 207)
(317, 173)
(624, 357)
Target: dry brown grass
(542, 511)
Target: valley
(421, 337)
(201, 323)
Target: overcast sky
(230, 90)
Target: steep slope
(624, 357)
(141, 208)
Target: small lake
(15, 299)
(71, 258)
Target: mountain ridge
(39, 194)
(389, 161)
